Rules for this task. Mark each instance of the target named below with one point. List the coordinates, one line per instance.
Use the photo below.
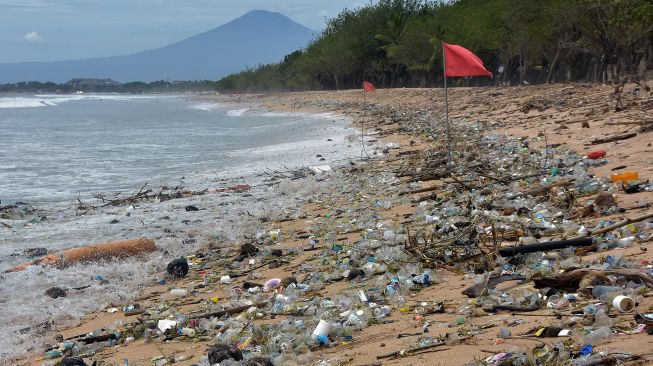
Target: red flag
(368, 87)
(460, 61)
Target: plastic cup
(323, 328)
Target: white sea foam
(325, 115)
(51, 100)
(21, 102)
(237, 112)
(206, 106)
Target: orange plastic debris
(624, 177)
(90, 253)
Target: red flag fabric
(460, 61)
(368, 87)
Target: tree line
(397, 43)
(136, 87)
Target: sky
(50, 30)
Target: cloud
(26, 4)
(33, 37)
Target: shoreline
(176, 231)
(399, 116)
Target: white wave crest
(237, 112)
(51, 100)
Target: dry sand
(556, 111)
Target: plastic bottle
(383, 311)
(178, 292)
(52, 354)
(601, 319)
(601, 291)
(188, 332)
(601, 335)
(504, 333)
(626, 242)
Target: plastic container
(272, 283)
(623, 303)
(323, 328)
(382, 311)
(178, 292)
(504, 333)
(322, 340)
(597, 154)
(624, 177)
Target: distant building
(90, 83)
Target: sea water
(56, 150)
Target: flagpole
(446, 105)
(363, 121)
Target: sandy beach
(338, 219)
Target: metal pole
(446, 106)
(363, 151)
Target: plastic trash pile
(357, 260)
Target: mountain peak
(259, 13)
(263, 18)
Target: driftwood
(577, 279)
(497, 308)
(541, 247)
(618, 225)
(408, 352)
(542, 190)
(241, 274)
(147, 194)
(423, 190)
(236, 310)
(577, 241)
(432, 196)
(424, 175)
(623, 136)
(480, 288)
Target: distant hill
(255, 38)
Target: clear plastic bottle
(599, 336)
(178, 292)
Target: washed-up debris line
(508, 210)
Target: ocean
(56, 150)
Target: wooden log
(543, 190)
(236, 310)
(541, 247)
(91, 253)
(432, 196)
(424, 190)
(571, 280)
(614, 138)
